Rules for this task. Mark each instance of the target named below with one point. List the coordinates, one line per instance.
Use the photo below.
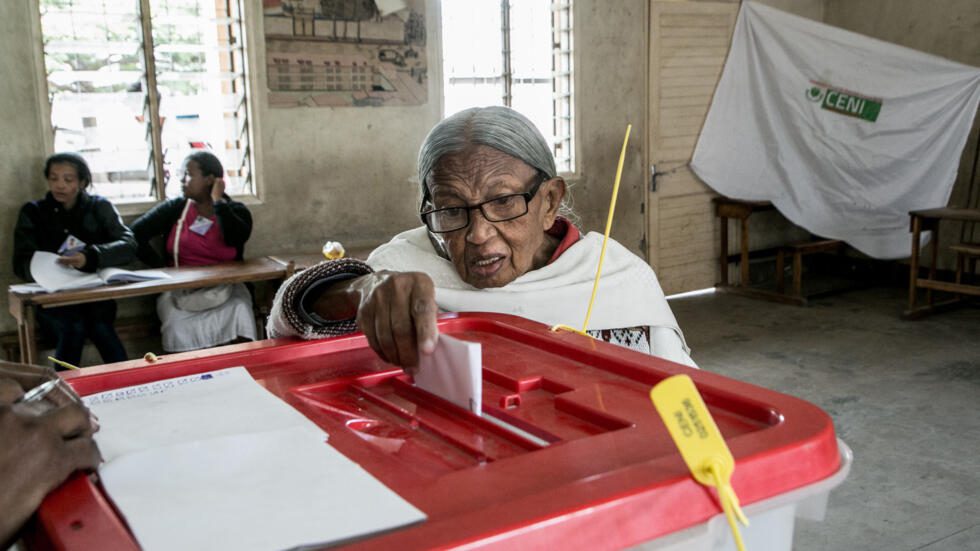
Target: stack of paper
(215, 461)
(54, 276)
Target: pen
(39, 392)
(63, 364)
(33, 402)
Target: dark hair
(73, 159)
(207, 162)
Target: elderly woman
(87, 233)
(493, 241)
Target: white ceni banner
(844, 134)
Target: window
(135, 86)
(516, 53)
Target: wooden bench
(798, 251)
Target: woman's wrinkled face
(194, 184)
(493, 254)
(64, 184)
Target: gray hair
(501, 128)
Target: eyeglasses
(498, 209)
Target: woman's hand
(74, 260)
(218, 189)
(396, 311)
(24, 377)
(39, 452)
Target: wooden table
(929, 220)
(725, 209)
(302, 261)
(22, 304)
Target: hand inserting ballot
(396, 311)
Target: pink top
(196, 249)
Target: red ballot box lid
(591, 464)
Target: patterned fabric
(286, 317)
(634, 338)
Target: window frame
(505, 77)
(252, 93)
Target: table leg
(932, 266)
(744, 265)
(914, 262)
(723, 254)
(780, 271)
(798, 274)
(28, 341)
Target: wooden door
(689, 41)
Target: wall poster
(339, 53)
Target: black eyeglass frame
(528, 196)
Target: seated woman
(493, 241)
(204, 226)
(88, 233)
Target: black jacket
(233, 218)
(44, 225)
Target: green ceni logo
(844, 102)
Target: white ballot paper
(214, 461)
(454, 372)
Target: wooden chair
(966, 254)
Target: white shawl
(629, 293)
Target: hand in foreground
(39, 452)
(74, 260)
(218, 189)
(27, 377)
(397, 314)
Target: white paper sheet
(54, 276)
(26, 288)
(214, 461)
(187, 409)
(454, 372)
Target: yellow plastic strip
(729, 504)
(61, 363)
(563, 327)
(701, 444)
(605, 240)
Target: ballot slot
(542, 406)
(387, 412)
(391, 415)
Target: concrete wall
(610, 43)
(340, 174)
(811, 9)
(947, 28)
(22, 149)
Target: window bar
(236, 38)
(562, 83)
(505, 30)
(153, 101)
